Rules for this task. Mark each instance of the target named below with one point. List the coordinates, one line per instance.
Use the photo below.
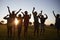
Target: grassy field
(50, 34)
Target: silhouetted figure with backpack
(42, 20)
(19, 25)
(57, 22)
(26, 18)
(36, 22)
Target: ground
(50, 34)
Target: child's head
(19, 15)
(26, 12)
(13, 12)
(42, 16)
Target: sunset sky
(46, 5)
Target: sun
(16, 21)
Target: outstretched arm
(18, 11)
(5, 17)
(54, 13)
(8, 9)
(46, 16)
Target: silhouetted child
(36, 22)
(26, 21)
(13, 15)
(19, 25)
(9, 25)
(42, 19)
(57, 22)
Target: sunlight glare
(16, 21)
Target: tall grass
(50, 34)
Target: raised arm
(8, 9)
(18, 11)
(30, 16)
(33, 9)
(54, 13)
(40, 14)
(22, 13)
(46, 16)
